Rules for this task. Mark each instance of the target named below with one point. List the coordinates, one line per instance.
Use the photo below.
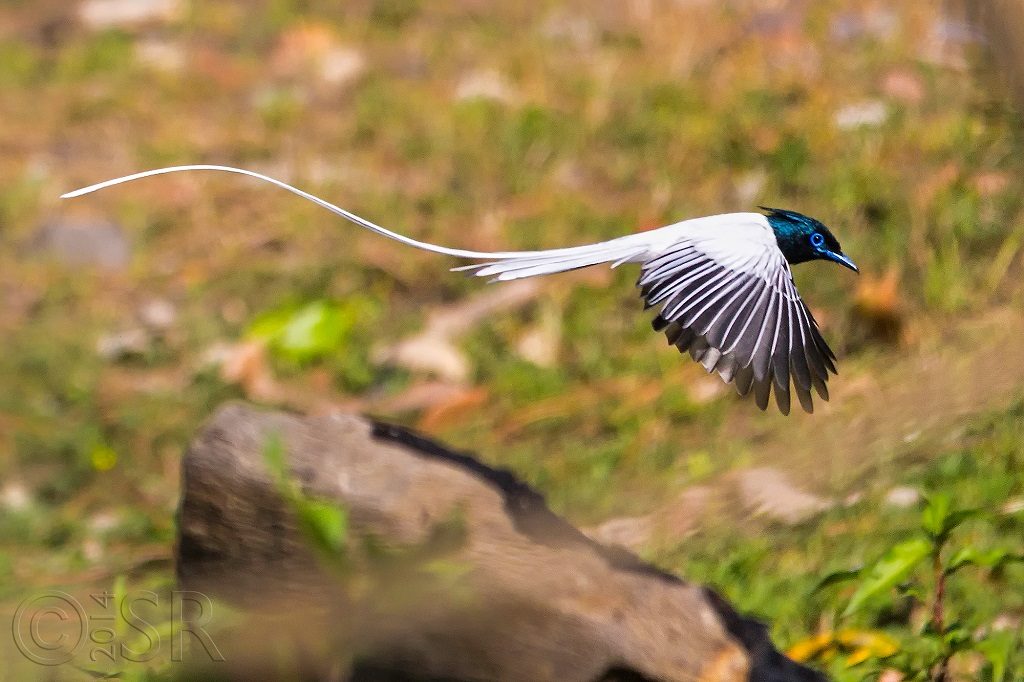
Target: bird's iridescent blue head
(802, 238)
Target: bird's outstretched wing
(728, 298)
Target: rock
(707, 389)
(629, 532)
(451, 569)
(123, 344)
(672, 522)
(161, 55)
(429, 354)
(340, 66)
(92, 550)
(541, 343)
(769, 492)
(902, 497)
(684, 514)
(853, 499)
(158, 314)
(747, 187)
(566, 28)
(15, 496)
(104, 14)
(539, 347)
(1013, 506)
(869, 114)
(485, 84)
(103, 522)
(1006, 621)
(84, 243)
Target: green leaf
(315, 329)
(997, 649)
(970, 556)
(888, 571)
(99, 674)
(956, 638)
(935, 512)
(938, 518)
(269, 325)
(325, 523)
(307, 332)
(958, 517)
(120, 594)
(836, 577)
(273, 455)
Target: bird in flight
(722, 283)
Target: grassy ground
(494, 126)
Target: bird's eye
(817, 240)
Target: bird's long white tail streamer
(347, 215)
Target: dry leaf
(419, 397)
(877, 304)
(247, 365)
(430, 354)
(313, 48)
(903, 85)
(433, 351)
(990, 183)
(445, 414)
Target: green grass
(774, 571)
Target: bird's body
(723, 282)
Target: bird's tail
(556, 260)
(505, 265)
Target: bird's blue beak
(842, 259)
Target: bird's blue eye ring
(817, 240)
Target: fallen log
(450, 569)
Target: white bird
(723, 284)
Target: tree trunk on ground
(450, 570)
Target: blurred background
(128, 316)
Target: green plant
(324, 523)
(917, 572)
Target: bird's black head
(802, 238)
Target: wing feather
(729, 300)
(780, 348)
(744, 379)
(751, 309)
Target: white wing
(728, 297)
